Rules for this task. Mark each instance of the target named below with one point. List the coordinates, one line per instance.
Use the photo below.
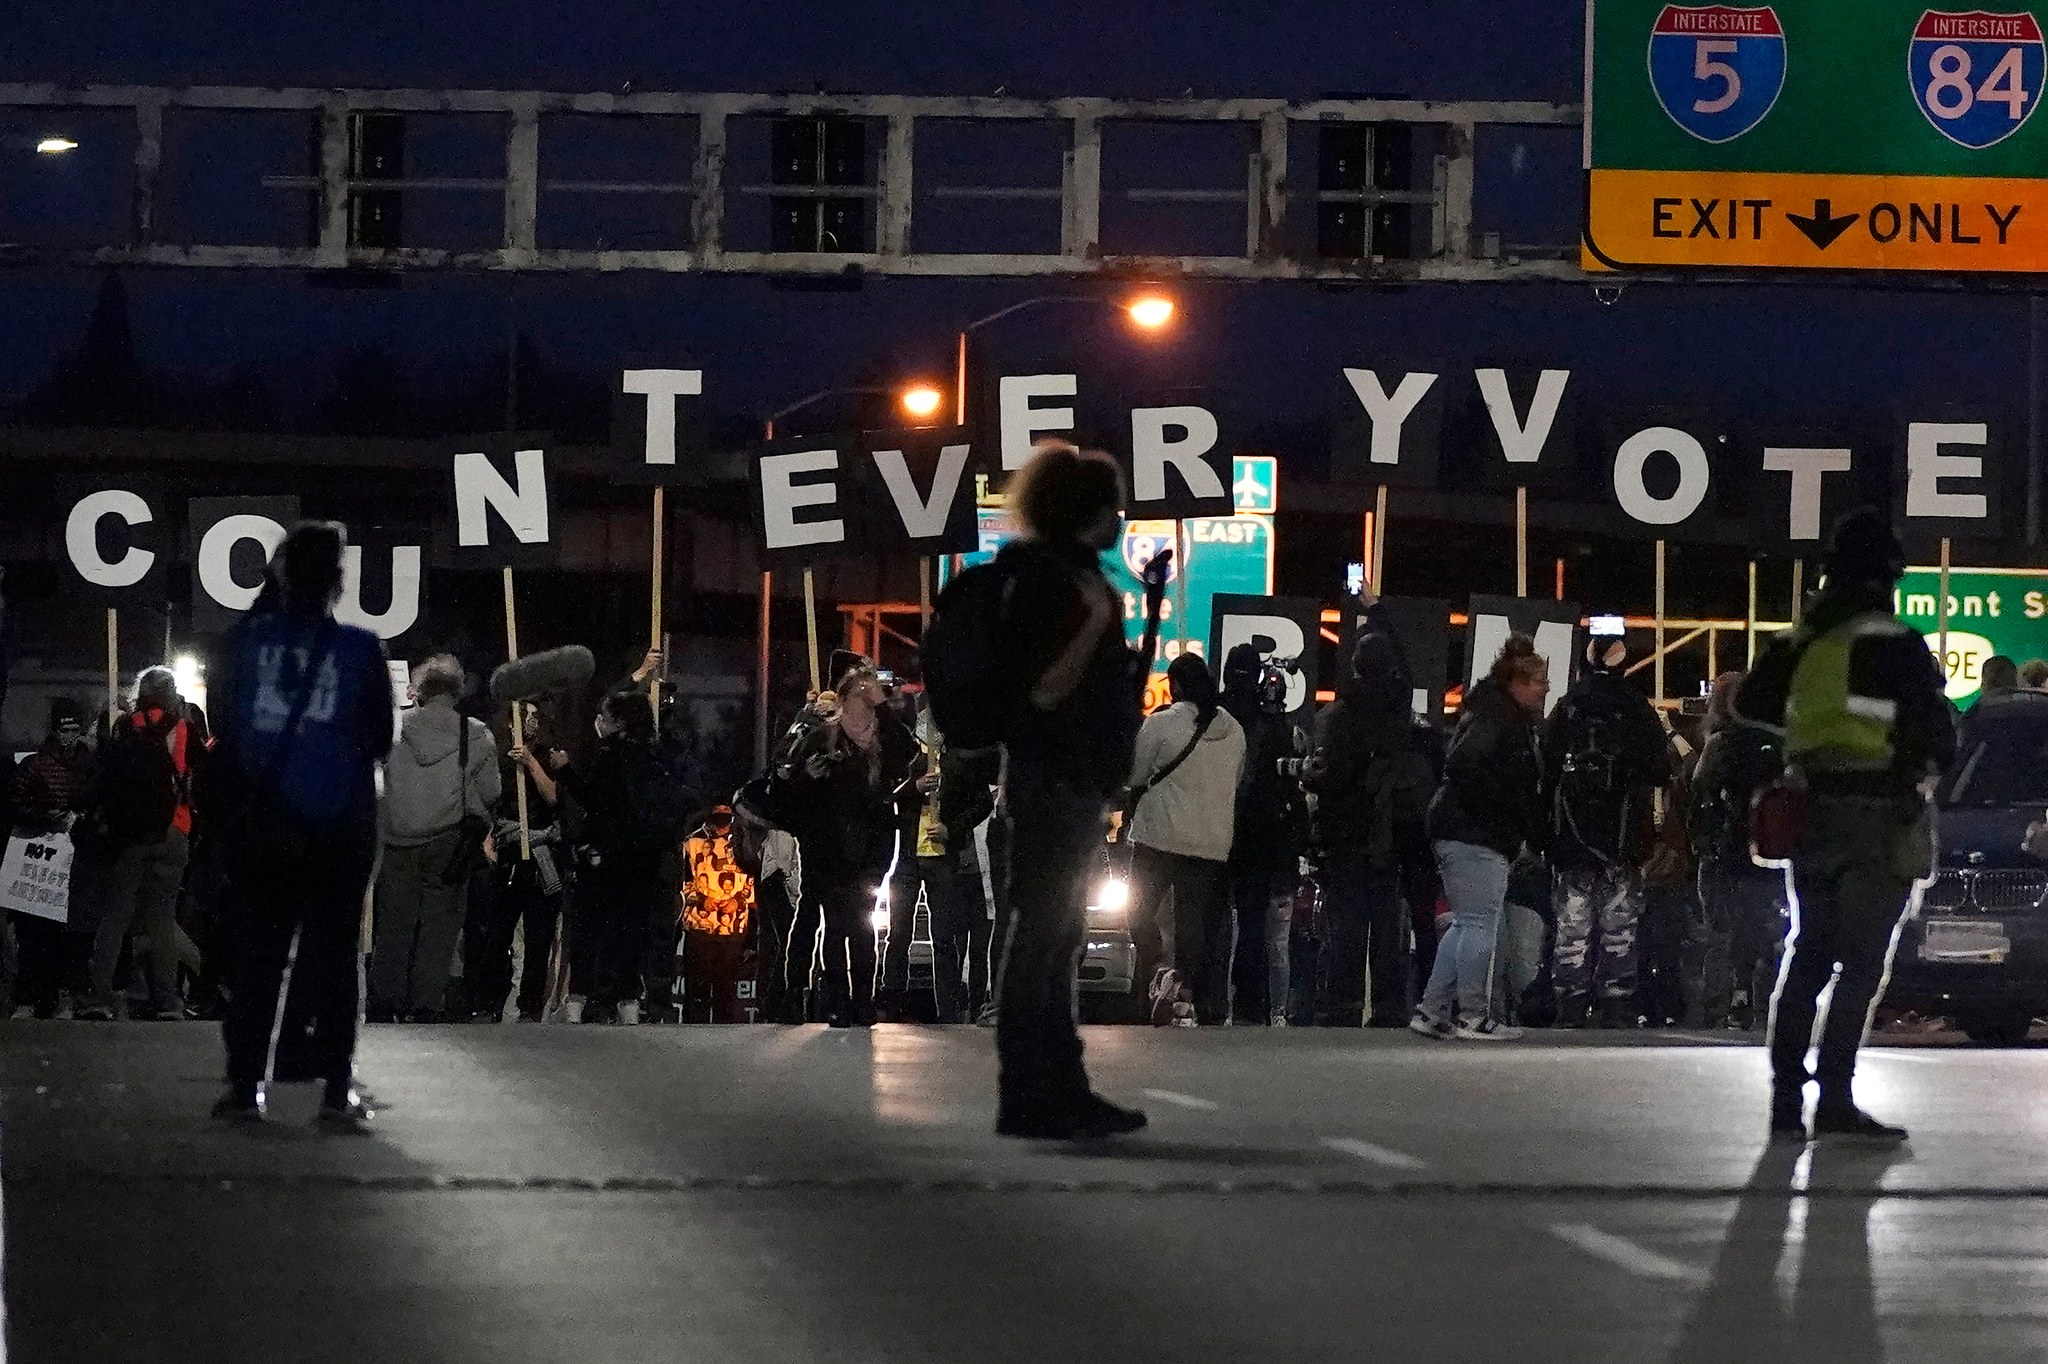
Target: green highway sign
(1832, 134)
(1991, 611)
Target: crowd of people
(1582, 862)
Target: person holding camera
(439, 784)
(1372, 785)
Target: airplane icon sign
(1257, 485)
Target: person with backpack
(145, 797)
(1267, 833)
(1372, 784)
(633, 814)
(51, 790)
(1606, 754)
(439, 785)
(847, 778)
(1183, 804)
(1743, 904)
(1867, 725)
(1029, 652)
(1488, 809)
(302, 717)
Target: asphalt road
(792, 1194)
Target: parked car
(1976, 949)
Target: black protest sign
(118, 537)
(1669, 473)
(1421, 626)
(1388, 426)
(1948, 471)
(917, 491)
(1180, 461)
(1523, 426)
(658, 427)
(229, 541)
(383, 579)
(1554, 625)
(806, 507)
(1290, 623)
(504, 514)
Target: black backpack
(973, 695)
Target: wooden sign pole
(1379, 543)
(1660, 625)
(654, 628)
(1942, 650)
(518, 721)
(1521, 541)
(811, 625)
(113, 667)
(1749, 622)
(1798, 589)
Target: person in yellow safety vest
(1866, 725)
(718, 902)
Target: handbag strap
(1201, 727)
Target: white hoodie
(1192, 812)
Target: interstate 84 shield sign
(1717, 70)
(1976, 76)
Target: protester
(1184, 777)
(956, 793)
(146, 801)
(1866, 725)
(2000, 680)
(772, 857)
(717, 910)
(1372, 784)
(523, 890)
(1604, 755)
(627, 832)
(52, 788)
(848, 774)
(1070, 720)
(2034, 674)
(303, 716)
(438, 789)
(1489, 808)
(1743, 903)
(1267, 837)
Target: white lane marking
(1625, 1254)
(1179, 1100)
(1708, 1040)
(1896, 1054)
(1378, 1155)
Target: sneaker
(1278, 1021)
(93, 1013)
(1429, 1027)
(351, 1119)
(1485, 1030)
(1851, 1121)
(232, 1108)
(987, 1017)
(572, 1011)
(629, 1013)
(1164, 994)
(1184, 1014)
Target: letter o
(1695, 476)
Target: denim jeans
(1475, 884)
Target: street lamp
(922, 400)
(1149, 310)
(56, 146)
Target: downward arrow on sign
(1822, 228)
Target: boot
(1618, 1013)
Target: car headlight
(1111, 893)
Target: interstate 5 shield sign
(1717, 70)
(1976, 76)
